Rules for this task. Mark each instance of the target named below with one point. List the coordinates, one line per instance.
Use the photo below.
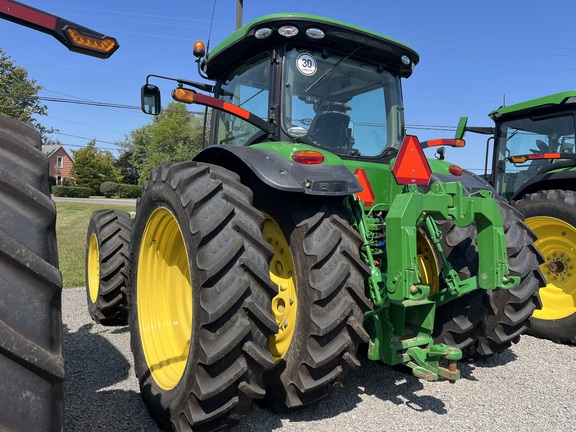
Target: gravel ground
(530, 387)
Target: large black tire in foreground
(321, 301)
(199, 296)
(31, 340)
(483, 323)
(551, 214)
(107, 259)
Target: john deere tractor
(311, 224)
(534, 165)
(31, 339)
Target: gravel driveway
(530, 387)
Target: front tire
(199, 296)
(551, 214)
(107, 260)
(321, 301)
(31, 339)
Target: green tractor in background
(311, 225)
(534, 166)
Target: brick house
(59, 162)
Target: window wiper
(330, 70)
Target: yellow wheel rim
(428, 267)
(557, 243)
(93, 268)
(285, 304)
(164, 299)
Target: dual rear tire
(199, 297)
(483, 323)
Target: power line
(134, 14)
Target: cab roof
(339, 37)
(556, 99)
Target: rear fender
(281, 173)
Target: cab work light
(411, 165)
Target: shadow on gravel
(467, 367)
(95, 365)
(372, 379)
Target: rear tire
(31, 340)
(486, 322)
(107, 260)
(321, 302)
(551, 214)
(199, 296)
(509, 310)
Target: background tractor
(311, 225)
(31, 339)
(534, 166)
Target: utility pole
(239, 12)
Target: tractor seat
(330, 127)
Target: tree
(19, 94)
(129, 174)
(93, 166)
(174, 135)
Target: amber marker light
(199, 50)
(105, 45)
(308, 157)
(184, 95)
(518, 159)
(451, 142)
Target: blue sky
(473, 56)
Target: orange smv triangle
(411, 166)
(367, 195)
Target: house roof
(50, 149)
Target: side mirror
(150, 99)
(461, 128)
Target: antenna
(239, 12)
(210, 31)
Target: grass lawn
(71, 227)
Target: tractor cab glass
(533, 137)
(248, 88)
(327, 100)
(340, 104)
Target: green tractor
(534, 166)
(31, 337)
(310, 226)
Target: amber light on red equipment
(308, 157)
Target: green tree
(93, 166)
(19, 94)
(129, 174)
(173, 136)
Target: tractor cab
(314, 81)
(533, 144)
